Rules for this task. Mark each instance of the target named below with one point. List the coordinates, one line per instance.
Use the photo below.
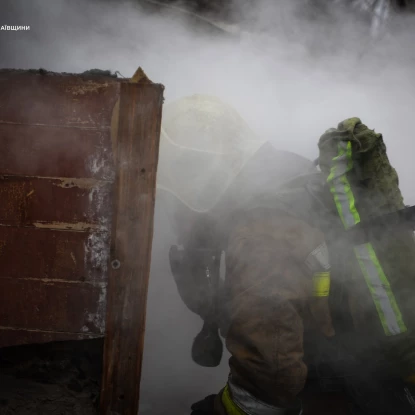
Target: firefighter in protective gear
(277, 268)
(286, 308)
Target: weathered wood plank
(55, 152)
(58, 203)
(16, 337)
(52, 306)
(137, 158)
(43, 254)
(68, 100)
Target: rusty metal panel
(56, 183)
(52, 306)
(50, 255)
(76, 204)
(55, 152)
(51, 99)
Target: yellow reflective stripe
(352, 203)
(230, 406)
(379, 287)
(340, 186)
(376, 280)
(321, 284)
(350, 197)
(338, 204)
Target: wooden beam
(137, 147)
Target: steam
(290, 80)
(290, 70)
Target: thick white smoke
(289, 87)
(301, 73)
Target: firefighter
(300, 301)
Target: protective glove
(207, 348)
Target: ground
(57, 378)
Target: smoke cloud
(290, 69)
